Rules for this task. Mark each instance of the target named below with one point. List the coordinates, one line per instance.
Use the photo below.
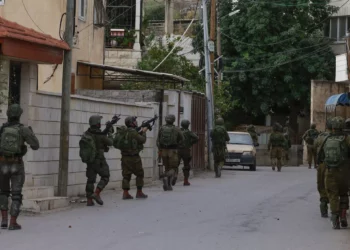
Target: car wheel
(253, 167)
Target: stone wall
(127, 58)
(42, 112)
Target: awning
(23, 43)
(125, 75)
(337, 100)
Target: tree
(275, 49)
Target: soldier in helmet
(336, 149)
(321, 170)
(251, 130)
(275, 146)
(13, 136)
(99, 144)
(309, 137)
(219, 138)
(168, 142)
(130, 142)
(190, 139)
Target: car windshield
(243, 139)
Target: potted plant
(129, 38)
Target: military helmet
(276, 127)
(313, 126)
(130, 120)
(170, 119)
(185, 123)
(220, 121)
(338, 122)
(329, 123)
(95, 120)
(14, 111)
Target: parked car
(241, 150)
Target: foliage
(275, 50)
(155, 12)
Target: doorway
(15, 83)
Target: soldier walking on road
(190, 139)
(321, 170)
(219, 138)
(336, 158)
(253, 134)
(275, 146)
(168, 142)
(93, 144)
(130, 142)
(13, 136)
(309, 137)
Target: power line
(281, 64)
(31, 17)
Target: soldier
(130, 142)
(168, 142)
(219, 138)
(288, 145)
(336, 149)
(309, 137)
(93, 144)
(13, 136)
(275, 146)
(321, 170)
(190, 139)
(253, 134)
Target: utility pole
(169, 17)
(212, 38)
(218, 44)
(209, 93)
(65, 106)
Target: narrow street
(243, 210)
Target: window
(338, 28)
(121, 14)
(99, 13)
(2, 2)
(82, 9)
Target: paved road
(241, 211)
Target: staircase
(37, 199)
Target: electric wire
(31, 17)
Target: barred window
(121, 14)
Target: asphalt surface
(241, 211)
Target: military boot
(343, 219)
(186, 183)
(13, 224)
(170, 180)
(126, 195)
(173, 183)
(90, 202)
(165, 183)
(273, 168)
(4, 220)
(335, 221)
(96, 196)
(309, 166)
(324, 209)
(140, 194)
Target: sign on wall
(341, 68)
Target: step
(29, 182)
(38, 192)
(45, 204)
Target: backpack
(277, 140)
(168, 136)
(121, 140)
(219, 136)
(11, 141)
(311, 136)
(189, 140)
(88, 150)
(335, 151)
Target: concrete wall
(47, 15)
(295, 156)
(42, 112)
(127, 58)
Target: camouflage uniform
(275, 146)
(169, 153)
(321, 170)
(131, 160)
(311, 151)
(288, 144)
(12, 174)
(253, 134)
(190, 138)
(99, 166)
(337, 172)
(219, 137)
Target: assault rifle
(148, 123)
(110, 123)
